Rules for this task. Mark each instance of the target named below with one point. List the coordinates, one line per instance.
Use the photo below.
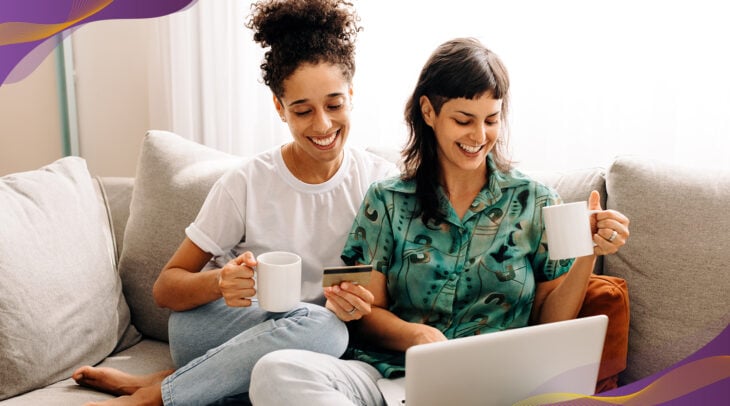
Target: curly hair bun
(298, 31)
(291, 23)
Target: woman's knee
(331, 335)
(273, 373)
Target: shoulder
(376, 164)
(515, 179)
(261, 166)
(393, 186)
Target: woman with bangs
(456, 241)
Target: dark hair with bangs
(459, 68)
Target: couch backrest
(118, 191)
(675, 261)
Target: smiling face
(466, 131)
(316, 105)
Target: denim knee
(327, 333)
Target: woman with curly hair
(300, 197)
(456, 241)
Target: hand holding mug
(235, 280)
(609, 228)
(578, 229)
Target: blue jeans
(216, 346)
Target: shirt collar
(489, 195)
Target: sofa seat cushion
(675, 261)
(147, 357)
(61, 303)
(173, 178)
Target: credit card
(334, 275)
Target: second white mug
(568, 230)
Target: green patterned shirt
(464, 276)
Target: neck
(307, 169)
(462, 188)
(463, 183)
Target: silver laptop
(502, 368)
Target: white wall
(116, 70)
(30, 129)
(114, 78)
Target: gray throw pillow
(675, 262)
(173, 178)
(61, 303)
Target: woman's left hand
(349, 301)
(610, 228)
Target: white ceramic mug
(278, 281)
(568, 230)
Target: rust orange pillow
(609, 295)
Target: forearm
(180, 290)
(564, 302)
(384, 329)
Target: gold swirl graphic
(672, 385)
(21, 32)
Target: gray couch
(673, 263)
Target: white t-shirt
(259, 206)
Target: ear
(427, 111)
(279, 108)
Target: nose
(479, 136)
(321, 122)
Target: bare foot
(116, 382)
(146, 396)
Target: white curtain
(590, 79)
(216, 92)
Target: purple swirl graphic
(31, 29)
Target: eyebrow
(472, 115)
(329, 96)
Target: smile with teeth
(468, 148)
(324, 141)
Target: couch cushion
(61, 303)
(173, 178)
(147, 357)
(574, 185)
(675, 261)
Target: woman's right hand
(424, 334)
(235, 280)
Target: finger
(339, 312)
(358, 290)
(349, 302)
(607, 234)
(247, 258)
(232, 272)
(603, 246)
(607, 227)
(338, 298)
(343, 314)
(613, 215)
(238, 301)
(594, 201)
